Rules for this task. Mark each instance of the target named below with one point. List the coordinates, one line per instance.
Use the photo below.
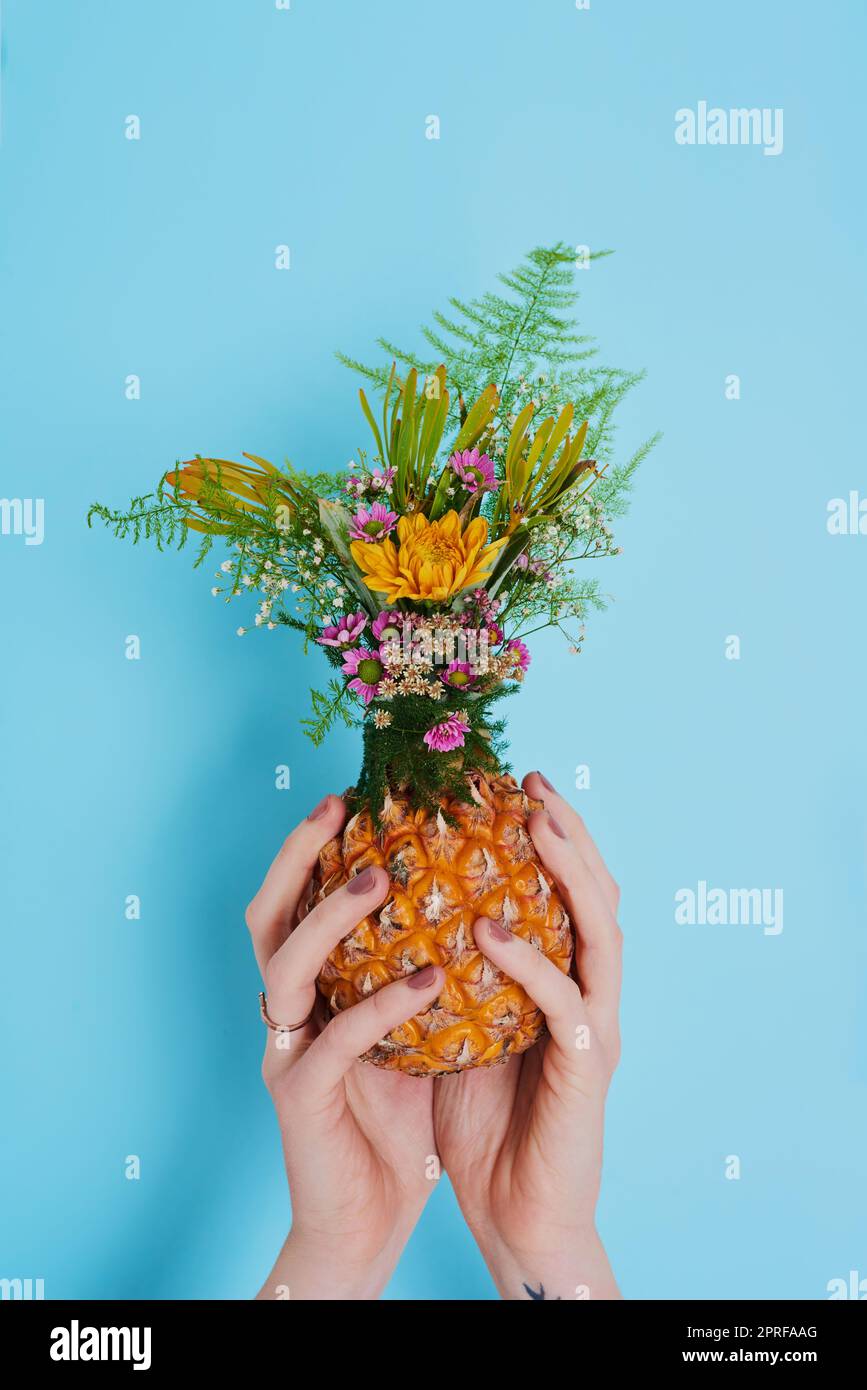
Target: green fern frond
(526, 342)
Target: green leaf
(515, 546)
(478, 418)
(336, 520)
(373, 425)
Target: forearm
(575, 1267)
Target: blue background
(156, 777)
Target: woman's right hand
(357, 1140)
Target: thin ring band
(280, 1027)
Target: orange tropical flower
(434, 559)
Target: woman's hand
(522, 1142)
(357, 1140)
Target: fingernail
(362, 883)
(319, 810)
(556, 827)
(544, 780)
(497, 932)
(423, 979)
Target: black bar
(201, 1336)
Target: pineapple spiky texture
(472, 857)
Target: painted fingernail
(362, 883)
(497, 932)
(319, 811)
(556, 827)
(423, 979)
(544, 780)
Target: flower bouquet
(419, 573)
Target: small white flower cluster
(538, 396)
(371, 482)
(269, 574)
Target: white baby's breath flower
(226, 566)
(241, 631)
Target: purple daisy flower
(475, 470)
(367, 669)
(520, 653)
(372, 523)
(442, 738)
(343, 631)
(459, 675)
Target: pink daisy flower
(520, 653)
(367, 669)
(442, 738)
(495, 633)
(475, 470)
(388, 627)
(459, 675)
(372, 523)
(343, 631)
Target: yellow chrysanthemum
(434, 559)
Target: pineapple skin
(443, 877)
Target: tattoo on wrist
(533, 1293)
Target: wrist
(548, 1263)
(328, 1266)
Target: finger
(538, 786)
(358, 1028)
(271, 914)
(292, 970)
(306, 903)
(599, 940)
(554, 992)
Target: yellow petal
(476, 533)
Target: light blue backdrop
(155, 777)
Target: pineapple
(473, 857)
